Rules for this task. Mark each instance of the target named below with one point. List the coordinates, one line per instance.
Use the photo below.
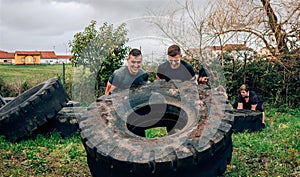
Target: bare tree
(184, 24)
(274, 25)
(264, 23)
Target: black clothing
(253, 100)
(184, 72)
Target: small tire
(112, 132)
(246, 120)
(32, 109)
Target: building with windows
(6, 57)
(48, 57)
(33, 58)
(27, 58)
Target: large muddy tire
(198, 141)
(246, 120)
(32, 109)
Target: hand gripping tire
(32, 109)
(246, 120)
(198, 141)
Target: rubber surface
(199, 141)
(32, 109)
(246, 120)
(65, 122)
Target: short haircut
(174, 50)
(244, 87)
(203, 73)
(135, 52)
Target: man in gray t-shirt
(128, 76)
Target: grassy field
(17, 79)
(275, 151)
(32, 74)
(271, 152)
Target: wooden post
(63, 74)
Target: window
(23, 59)
(33, 59)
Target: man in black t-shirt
(175, 68)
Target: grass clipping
(156, 132)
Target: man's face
(203, 79)
(174, 61)
(134, 63)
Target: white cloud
(44, 17)
(43, 24)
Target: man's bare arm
(109, 88)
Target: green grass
(271, 152)
(46, 155)
(275, 151)
(156, 132)
(16, 79)
(32, 74)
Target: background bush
(277, 83)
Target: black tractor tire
(199, 132)
(32, 109)
(246, 120)
(65, 122)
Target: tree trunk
(244, 68)
(280, 34)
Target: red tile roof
(226, 47)
(193, 50)
(2, 51)
(216, 47)
(231, 47)
(7, 55)
(64, 56)
(48, 54)
(43, 54)
(27, 52)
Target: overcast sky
(51, 24)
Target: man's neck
(133, 74)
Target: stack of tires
(32, 109)
(199, 132)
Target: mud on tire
(198, 141)
(32, 109)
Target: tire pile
(199, 132)
(199, 122)
(32, 109)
